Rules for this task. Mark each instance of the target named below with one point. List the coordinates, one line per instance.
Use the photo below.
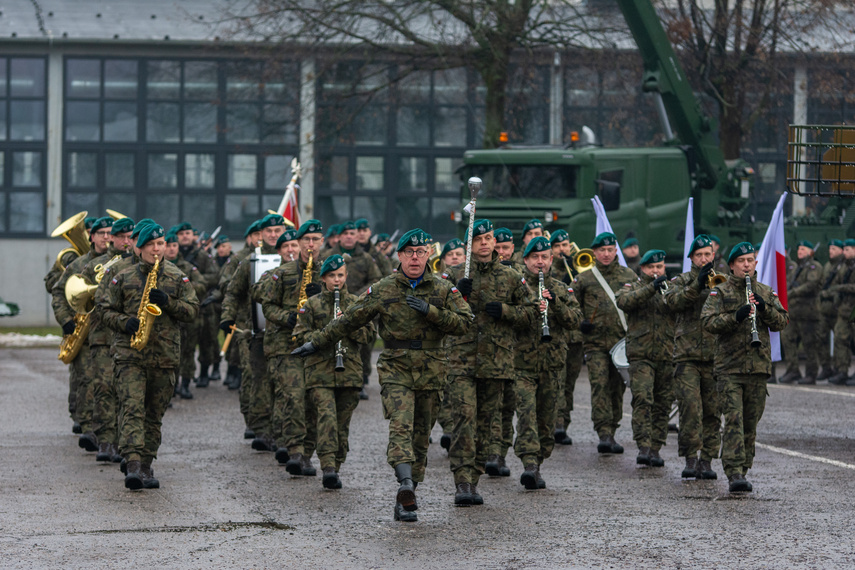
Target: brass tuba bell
(114, 214)
(80, 294)
(74, 230)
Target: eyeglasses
(102, 233)
(420, 253)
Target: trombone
(715, 279)
(583, 259)
(435, 259)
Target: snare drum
(619, 359)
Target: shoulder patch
(445, 275)
(114, 282)
(569, 289)
(106, 271)
(185, 280)
(368, 291)
(302, 310)
(627, 285)
(775, 294)
(193, 268)
(275, 277)
(523, 280)
(454, 289)
(713, 293)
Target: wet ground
(223, 505)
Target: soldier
(532, 229)
(631, 252)
(294, 422)
(453, 253)
(100, 363)
(237, 312)
(843, 287)
(482, 360)
(694, 384)
(83, 400)
(189, 333)
(334, 393)
(146, 376)
(719, 263)
(802, 291)
(288, 246)
(603, 326)
(539, 364)
(331, 238)
(560, 242)
(416, 310)
(504, 247)
(827, 309)
(649, 348)
(385, 254)
(363, 238)
(741, 369)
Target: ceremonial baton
(474, 187)
(228, 340)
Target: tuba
(147, 311)
(114, 214)
(74, 230)
(435, 259)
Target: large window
(206, 141)
(22, 146)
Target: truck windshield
(509, 181)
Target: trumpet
(339, 349)
(715, 279)
(755, 338)
(544, 334)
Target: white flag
(603, 225)
(689, 238)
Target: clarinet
(755, 338)
(339, 350)
(544, 334)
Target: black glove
(587, 327)
(494, 309)
(418, 304)
(132, 325)
(304, 350)
(761, 304)
(465, 286)
(553, 295)
(742, 313)
(227, 326)
(659, 282)
(312, 289)
(292, 320)
(158, 297)
(68, 328)
(208, 300)
(704, 275)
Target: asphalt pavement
(223, 505)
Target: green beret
(629, 242)
(382, 237)
(850, 242)
(148, 233)
(122, 225)
(361, 224)
(271, 220)
(742, 248)
(221, 240)
(183, 226)
(310, 227)
(605, 238)
(558, 237)
(701, 240)
(480, 227)
(451, 245)
(503, 235)
(538, 243)
(806, 243)
(348, 225)
(101, 223)
(140, 225)
(760, 243)
(287, 235)
(532, 224)
(251, 228)
(652, 256)
(195, 232)
(332, 263)
(836, 242)
(414, 237)
(333, 231)
(714, 238)
(171, 237)
(88, 221)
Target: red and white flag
(772, 266)
(289, 207)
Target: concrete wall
(23, 266)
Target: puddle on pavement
(218, 527)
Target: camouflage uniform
(694, 384)
(649, 347)
(827, 309)
(146, 378)
(79, 405)
(294, 423)
(481, 361)
(572, 368)
(412, 367)
(607, 386)
(802, 291)
(189, 332)
(205, 337)
(240, 341)
(334, 395)
(741, 370)
(844, 289)
(538, 366)
(56, 270)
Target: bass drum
(619, 359)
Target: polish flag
(289, 208)
(689, 237)
(772, 266)
(603, 225)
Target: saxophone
(147, 311)
(307, 278)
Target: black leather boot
(331, 480)
(282, 456)
(643, 457)
(406, 495)
(403, 515)
(215, 373)
(133, 479)
(294, 466)
(690, 471)
(739, 484)
(88, 441)
(656, 459)
(183, 389)
(491, 467)
(445, 441)
(148, 478)
(504, 470)
(528, 479)
(463, 495)
(103, 452)
(705, 469)
(306, 467)
(203, 379)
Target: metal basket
(821, 160)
